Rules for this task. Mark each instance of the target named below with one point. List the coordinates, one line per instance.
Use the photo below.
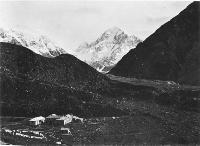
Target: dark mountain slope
(171, 53)
(35, 85)
(64, 70)
(32, 98)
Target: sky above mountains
(69, 23)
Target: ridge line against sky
(69, 23)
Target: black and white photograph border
(83, 72)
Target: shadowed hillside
(32, 84)
(171, 53)
(64, 70)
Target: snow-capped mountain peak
(39, 44)
(112, 32)
(107, 50)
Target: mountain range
(172, 52)
(107, 50)
(101, 54)
(39, 44)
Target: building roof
(63, 128)
(37, 118)
(65, 118)
(53, 116)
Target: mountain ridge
(39, 44)
(167, 53)
(107, 50)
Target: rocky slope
(172, 52)
(65, 70)
(107, 50)
(33, 85)
(38, 44)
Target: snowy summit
(38, 44)
(107, 50)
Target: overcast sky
(69, 23)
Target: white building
(65, 119)
(37, 120)
(68, 119)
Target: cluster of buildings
(55, 120)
